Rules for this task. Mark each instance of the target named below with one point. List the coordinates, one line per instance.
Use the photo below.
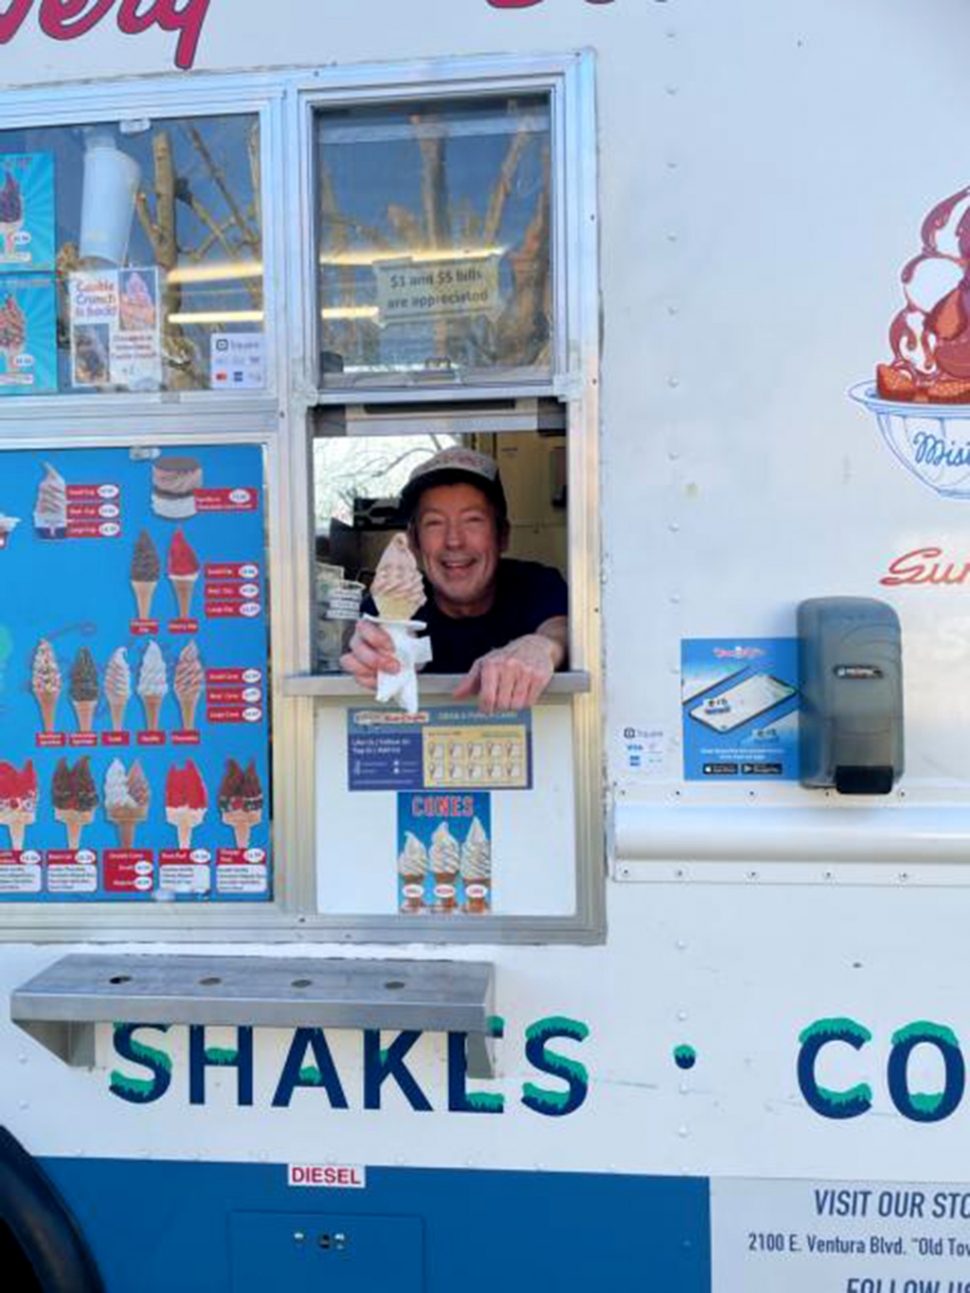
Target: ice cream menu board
(134, 726)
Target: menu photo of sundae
(921, 395)
(28, 336)
(27, 212)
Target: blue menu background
(77, 592)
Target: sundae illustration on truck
(921, 397)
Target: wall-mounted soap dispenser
(851, 721)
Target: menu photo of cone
(18, 801)
(182, 567)
(83, 688)
(240, 800)
(186, 801)
(146, 569)
(74, 797)
(46, 683)
(50, 509)
(152, 684)
(117, 687)
(189, 683)
(127, 797)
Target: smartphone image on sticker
(693, 688)
(738, 705)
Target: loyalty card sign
(740, 708)
(28, 336)
(26, 212)
(134, 695)
(451, 747)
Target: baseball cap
(452, 467)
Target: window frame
(574, 380)
(105, 104)
(279, 419)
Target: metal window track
(61, 1006)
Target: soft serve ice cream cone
(412, 867)
(183, 572)
(189, 681)
(445, 865)
(117, 687)
(50, 509)
(398, 589)
(476, 869)
(126, 800)
(83, 689)
(46, 682)
(152, 684)
(145, 571)
(398, 592)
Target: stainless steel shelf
(61, 1006)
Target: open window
(362, 458)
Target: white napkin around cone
(411, 652)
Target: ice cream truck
(657, 984)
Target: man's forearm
(556, 630)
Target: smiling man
(500, 622)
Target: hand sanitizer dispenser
(851, 720)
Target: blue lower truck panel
(240, 1228)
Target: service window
(440, 314)
(357, 480)
(131, 257)
(434, 227)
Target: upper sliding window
(131, 257)
(434, 242)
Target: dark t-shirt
(526, 594)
